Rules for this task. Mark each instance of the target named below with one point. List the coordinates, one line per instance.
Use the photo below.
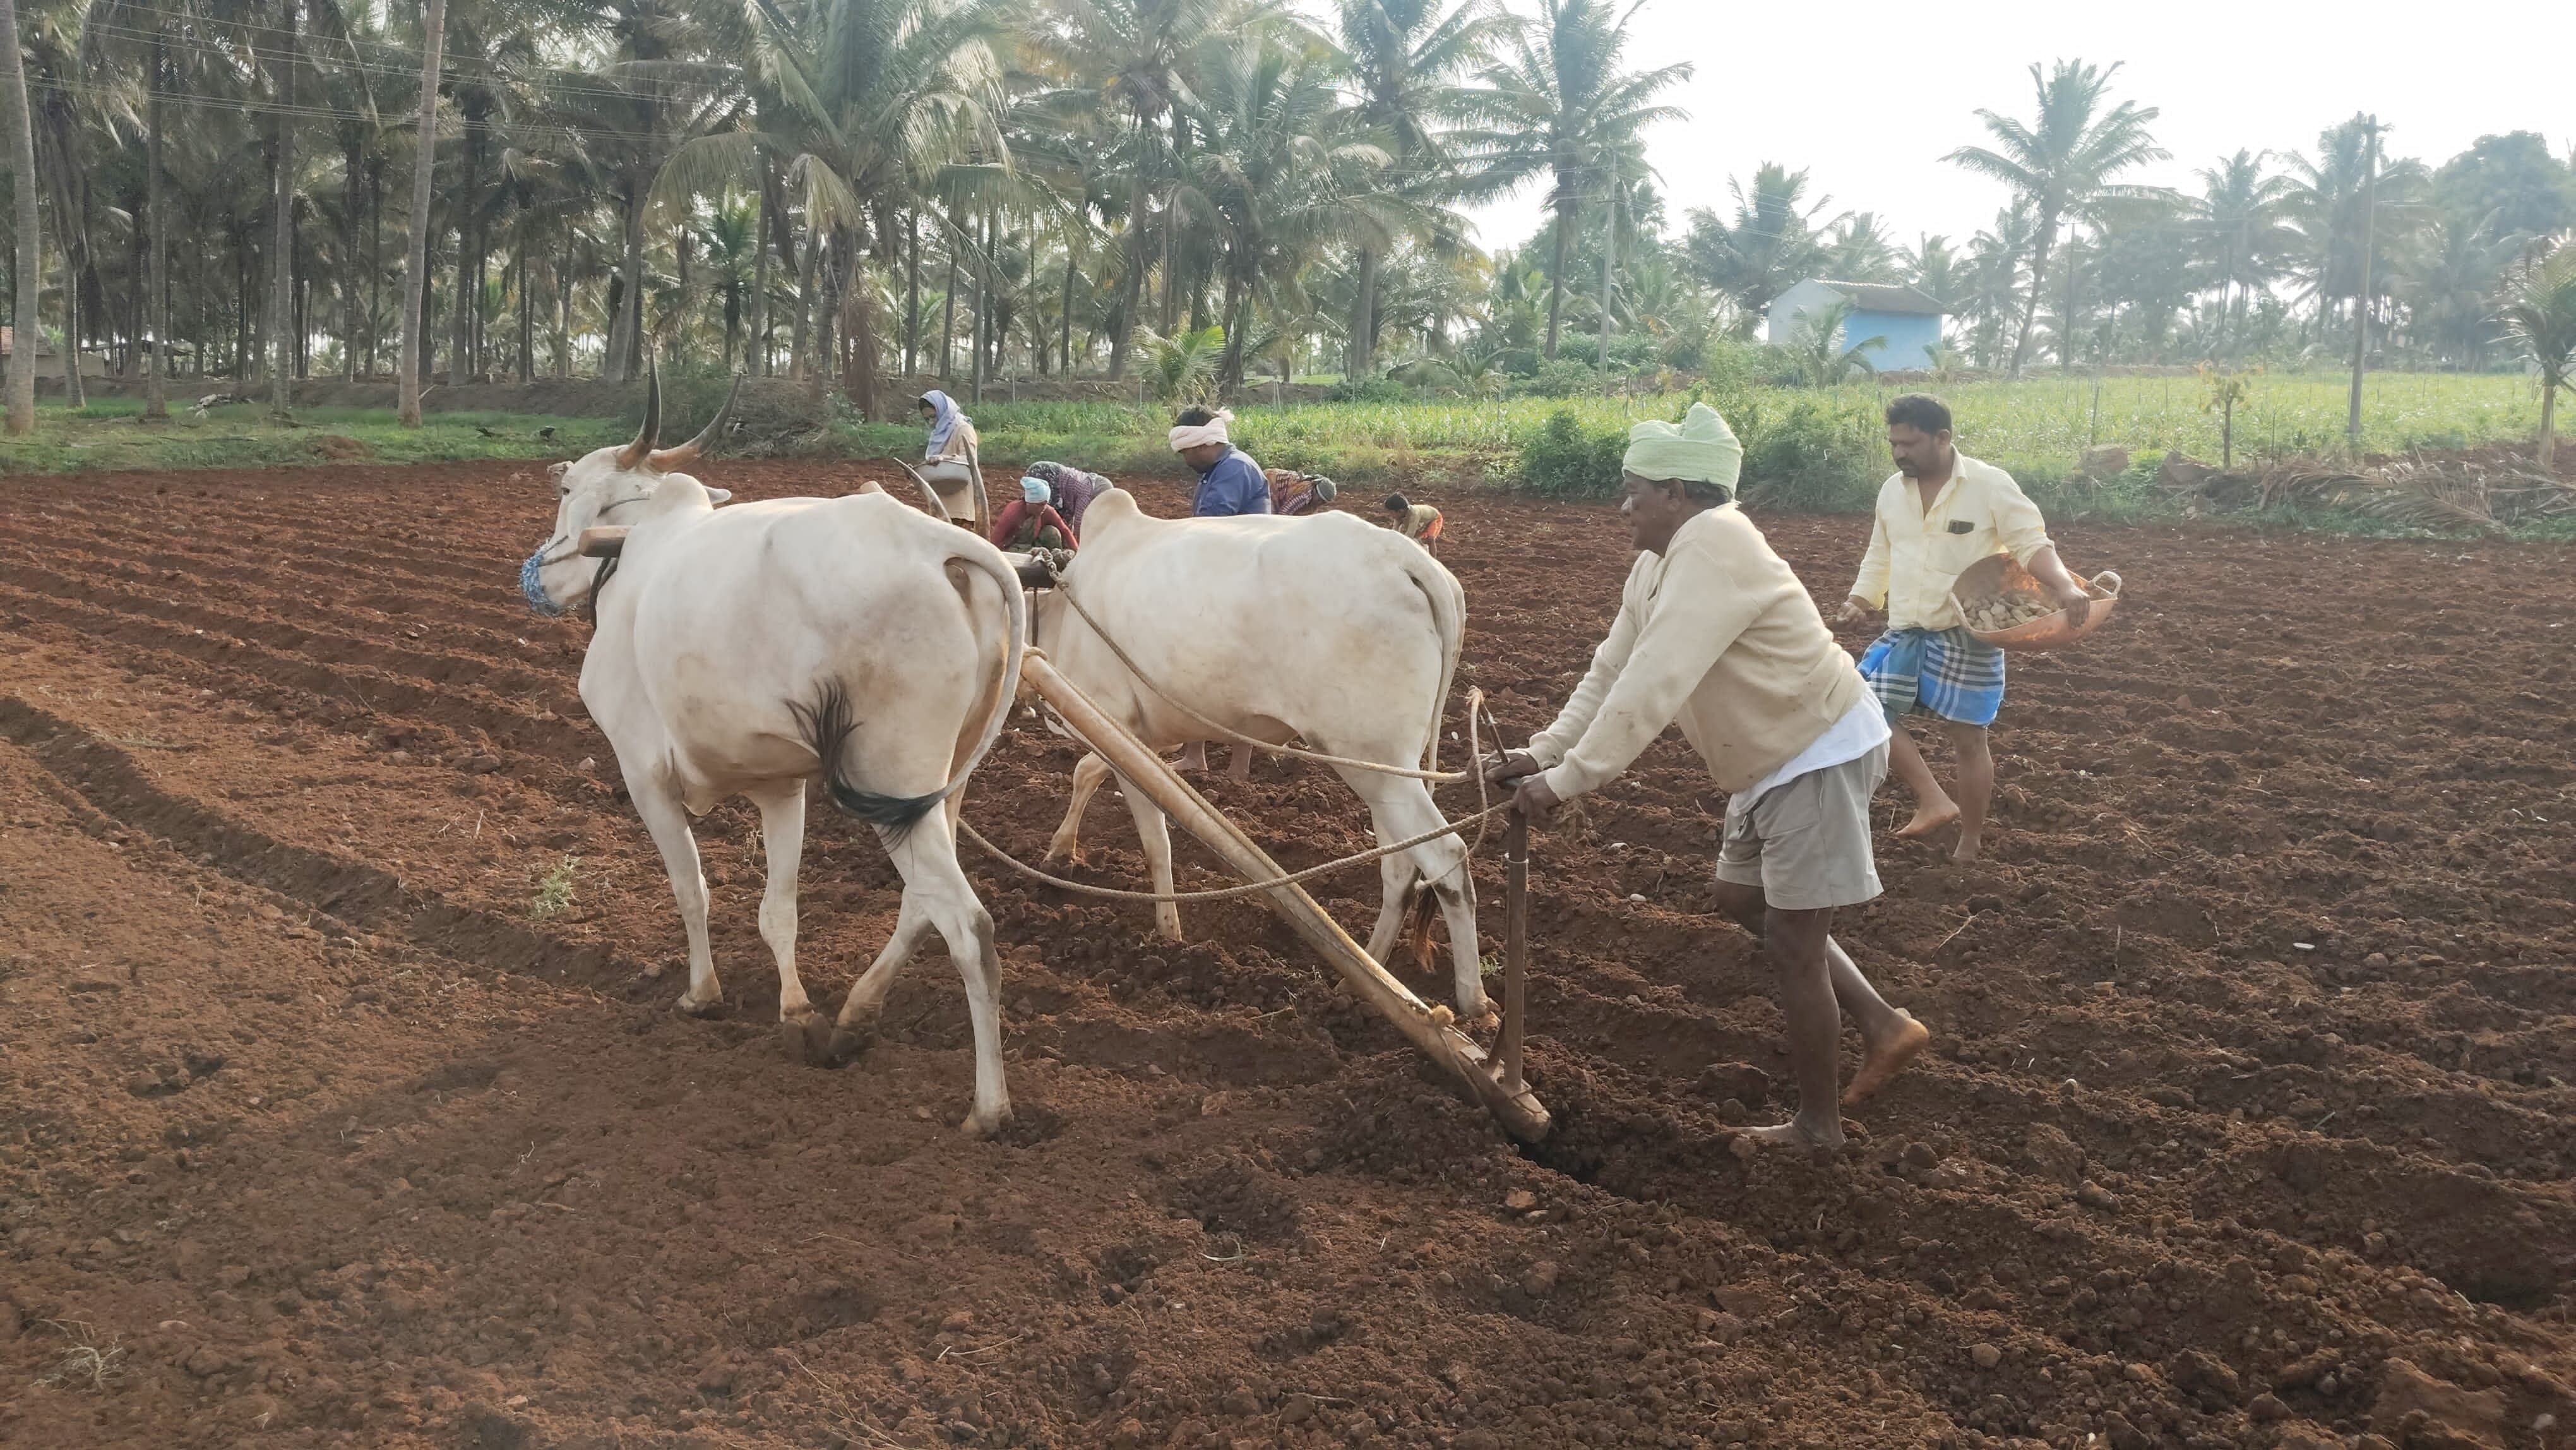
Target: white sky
(1868, 96)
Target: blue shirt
(1234, 486)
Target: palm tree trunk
(563, 307)
(2046, 239)
(22, 167)
(69, 226)
(626, 338)
(351, 157)
(281, 291)
(1363, 360)
(1131, 288)
(1230, 373)
(156, 252)
(1064, 324)
(1609, 254)
(407, 363)
(756, 351)
(948, 311)
(527, 320)
(983, 284)
(1556, 279)
(2549, 420)
(469, 300)
(911, 295)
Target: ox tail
(828, 722)
(1449, 617)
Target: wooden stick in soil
(1518, 1110)
(1515, 948)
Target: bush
(1809, 458)
(1369, 390)
(1562, 378)
(1562, 458)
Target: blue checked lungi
(1948, 673)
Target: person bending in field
(1940, 512)
(1230, 484)
(1031, 522)
(1293, 493)
(1419, 522)
(1715, 632)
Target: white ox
(1324, 627)
(743, 651)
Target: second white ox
(1325, 628)
(742, 651)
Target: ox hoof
(1480, 1018)
(807, 1039)
(848, 1044)
(978, 1125)
(711, 1007)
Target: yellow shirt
(1916, 553)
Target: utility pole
(2371, 131)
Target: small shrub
(1368, 390)
(1562, 378)
(554, 893)
(1809, 457)
(1562, 458)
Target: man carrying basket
(1939, 513)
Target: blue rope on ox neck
(535, 591)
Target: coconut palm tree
(1132, 56)
(2063, 161)
(1561, 106)
(1822, 355)
(1281, 168)
(22, 169)
(1407, 60)
(2237, 217)
(2538, 312)
(1857, 249)
(1770, 245)
(1932, 267)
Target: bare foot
(1929, 817)
(1883, 1060)
(1970, 842)
(1794, 1134)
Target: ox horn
(664, 460)
(634, 455)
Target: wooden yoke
(603, 541)
(1431, 1029)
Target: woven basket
(1997, 574)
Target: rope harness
(1477, 717)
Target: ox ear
(556, 472)
(718, 495)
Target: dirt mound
(341, 1101)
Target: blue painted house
(1908, 319)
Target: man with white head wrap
(1714, 632)
(1230, 482)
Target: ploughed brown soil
(2247, 1122)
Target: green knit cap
(1699, 449)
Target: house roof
(1880, 297)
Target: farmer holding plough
(1940, 512)
(1714, 632)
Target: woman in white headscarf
(949, 459)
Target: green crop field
(110, 434)
(2038, 425)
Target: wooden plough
(1501, 1089)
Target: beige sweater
(1717, 634)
